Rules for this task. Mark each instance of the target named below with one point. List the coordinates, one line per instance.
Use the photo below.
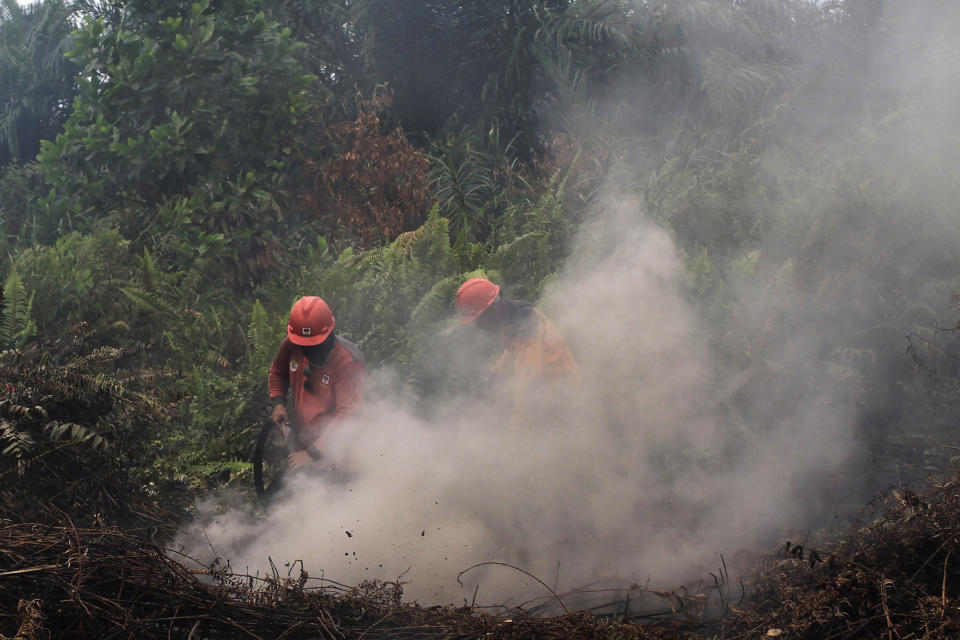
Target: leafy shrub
(195, 157)
(73, 281)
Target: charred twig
(526, 573)
(943, 588)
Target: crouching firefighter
(322, 373)
(536, 362)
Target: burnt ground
(82, 554)
(896, 577)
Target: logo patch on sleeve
(293, 365)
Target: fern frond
(191, 283)
(437, 303)
(105, 354)
(212, 468)
(261, 339)
(109, 384)
(149, 271)
(148, 301)
(17, 325)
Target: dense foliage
(201, 164)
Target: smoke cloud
(669, 450)
(632, 477)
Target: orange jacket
(534, 354)
(335, 388)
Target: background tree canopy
(174, 174)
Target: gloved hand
(280, 418)
(299, 459)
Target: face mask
(317, 354)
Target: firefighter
(321, 372)
(535, 357)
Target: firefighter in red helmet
(535, 356)
(322, 373)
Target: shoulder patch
(351, 349)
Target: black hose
(264, 491)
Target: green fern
(261, 336)
(190, 285)
(149, 269)
(17, 325)
(148, 301)
(437, 303)
(700, 271)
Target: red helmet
(311, 321)
(473, 298)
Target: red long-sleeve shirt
(336, 387)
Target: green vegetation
(174, 174)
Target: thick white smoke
(634, 476)
(664, 454)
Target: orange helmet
(473, 298)
(311, 321)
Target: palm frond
(461, 177)
(732, 84)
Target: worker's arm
(278, 383)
